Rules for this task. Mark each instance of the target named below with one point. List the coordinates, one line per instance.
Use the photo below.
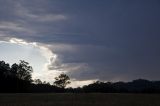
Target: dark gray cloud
(106, 40)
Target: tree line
(17, 78)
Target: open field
(79, 100)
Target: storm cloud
(105, 40)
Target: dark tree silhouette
(4, 68)
(62, 80)
(22, 70)
(37, 81)
(18, 79)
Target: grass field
(79, 100)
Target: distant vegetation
(17, 78)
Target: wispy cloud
(13, 26)
(47, 17)
(40, 17)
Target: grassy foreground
(79, 100)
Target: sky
(89, 40)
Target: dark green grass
(79, 100)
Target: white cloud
(46, 52)
(51, 58)
(18, 41)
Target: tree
(22, 70)
(37, 81)
(4, 70)
(62, 80)
(14, 70)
